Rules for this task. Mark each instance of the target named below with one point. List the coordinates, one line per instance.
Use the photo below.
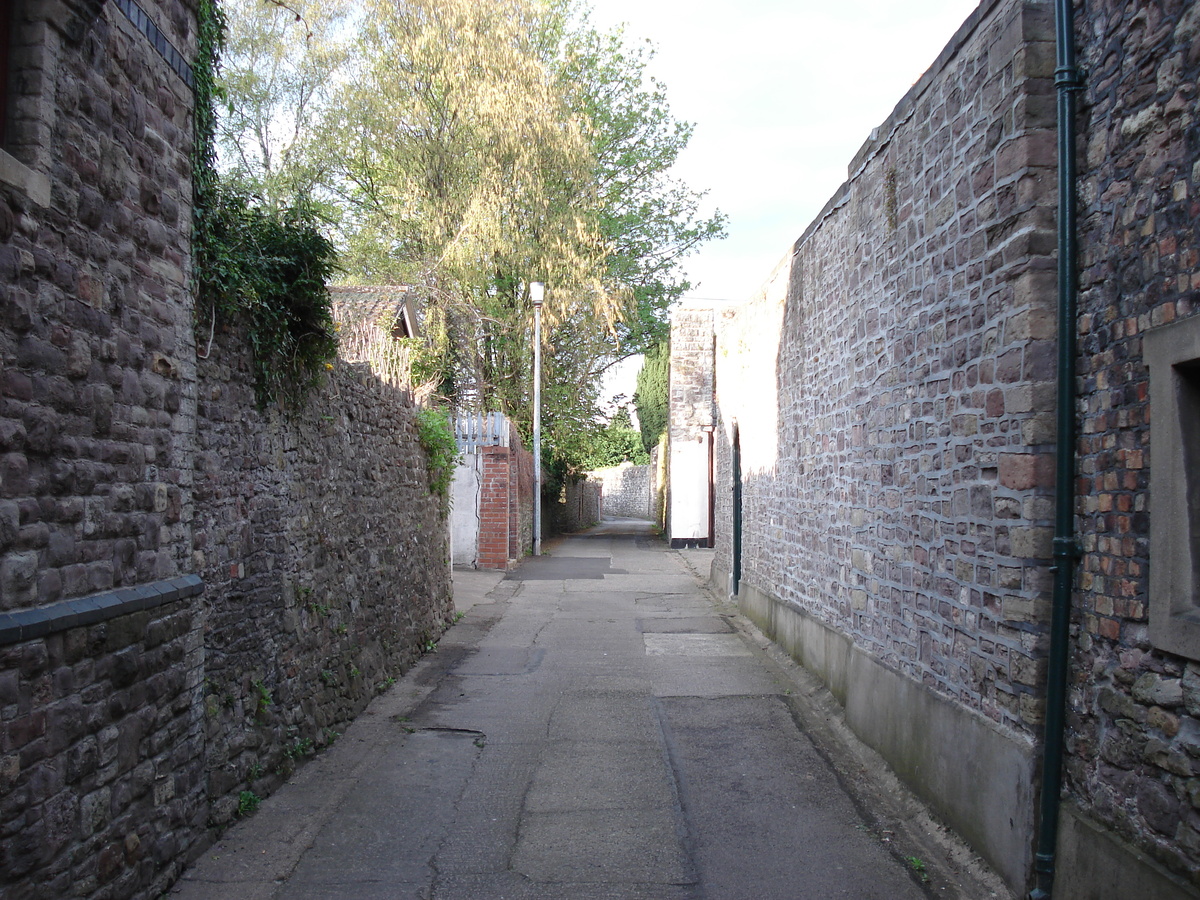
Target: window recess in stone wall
(5, 62)
(24, 125)
(1173, 355)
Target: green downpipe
(1067, 81)
(735, 579)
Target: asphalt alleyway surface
(596, 726)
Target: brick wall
(1133, 746)
(897, 439)
(495, 508)
(492, 509)
(891, 391)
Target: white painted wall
(689, 489)
(464, 511)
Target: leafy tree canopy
(469, 149)
(615, 443)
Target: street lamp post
(536, 293)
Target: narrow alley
(596, 725)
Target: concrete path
(596, 726)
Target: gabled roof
(392, 307)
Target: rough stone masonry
(194, 594)
(890, 398)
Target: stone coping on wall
(27, 624)
(882, 135)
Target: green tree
(464, 168)
(469, 149)
(652, 395)
(465, 172)
(615, 443)
(649, 219)
(280, 66)
(262, 269)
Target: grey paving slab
(389, 827)
(639, 583)
(502, 661)
(693, 645)
(711, 676)
(597, 727)
(620, 714)
(800, 837)
(676, 624)
(512, 886)
(560, 568)
(612, 846)
(577, 776)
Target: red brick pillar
(494, 509)
(514, 508)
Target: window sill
(32, 184)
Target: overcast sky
(783, 93)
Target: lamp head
(537, 291)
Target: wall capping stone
(28, 624)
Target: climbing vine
(261, 268)
(441, 449)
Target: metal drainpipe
(1067, 80)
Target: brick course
(1133, 758)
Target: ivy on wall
(441, 449)
(255, 267)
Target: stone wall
(690, 425)
(893, 445)
(101, 742)
(578, 508)
(95, 399)
(907, 407)
(626, 491)
(1134, 710)
(325, 561)
(891, 396)
(134, 712)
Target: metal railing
(473, 430)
